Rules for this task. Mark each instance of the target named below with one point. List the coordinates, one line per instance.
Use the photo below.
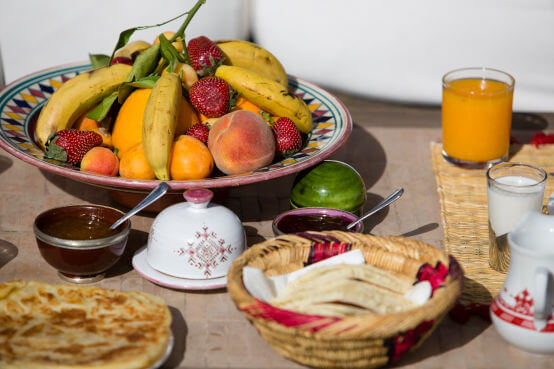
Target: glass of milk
(512, 190)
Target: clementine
(127, 129)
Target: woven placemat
(463, 199)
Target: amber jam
(82, 227)
(293, 223)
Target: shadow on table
(449, 335)
(5, 163)
(264, 200)
(83, 191)
(180, 330)
(8, 251)
(137, 239)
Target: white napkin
(266, 288)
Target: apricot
(134, 164)
(240, 142)
(190, 159)
(100, 160)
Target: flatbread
(342, 290)
(45, 326)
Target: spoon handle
(383, 204)
(156, 193)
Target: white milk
(508, 202)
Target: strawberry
(70, 145)
(211, 96)
(205, 56)
(199, 131)
(287, 137)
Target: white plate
(146, 271)
(162, 360)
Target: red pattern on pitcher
(501, 309)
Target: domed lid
(331, 184)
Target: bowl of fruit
(196, 113)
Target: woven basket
(362, 341)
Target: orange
(86, 124)
(243, 104)
(190, 159)
(127, 129)
(187, 117)
(133, 164)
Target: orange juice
(476, 119)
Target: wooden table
(390, 148)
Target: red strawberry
(70, 145)
(205, 56)
(199, 131)
(287, 137)
(122, 60)
(211, 96)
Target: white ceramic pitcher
(522, 311)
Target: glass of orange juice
(476, 116)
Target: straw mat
(463, 200)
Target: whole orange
(127, 129)
(133, 164)
(190, 159)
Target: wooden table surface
(389, 146)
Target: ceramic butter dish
(195, 239)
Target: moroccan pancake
(45, 326)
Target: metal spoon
(156, 193)
(383, 204)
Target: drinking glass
(512, 190)
(476, 116)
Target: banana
(250, 56)
(159, 123)
(268, 95)
(76, 96)
(132, 49)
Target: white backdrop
(394, 49)
(399, 49)
(38, 34)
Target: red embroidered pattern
(405, 341)
(207, 252)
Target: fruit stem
(267, 117)
(191, 12)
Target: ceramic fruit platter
(22, 100)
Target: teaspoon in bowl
(156, 193)
(383, 204)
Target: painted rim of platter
(141, 266)
(320, 145)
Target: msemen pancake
(62, 326)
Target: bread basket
(361, 341)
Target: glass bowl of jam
(314, 219)
(78, 242)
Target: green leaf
(123, 39)
(169, 53)
(102, 109)
(146, 82)
(145, 63)
(99, 60)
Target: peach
(100, 160)
(241, 142)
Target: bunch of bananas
(251, 70)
